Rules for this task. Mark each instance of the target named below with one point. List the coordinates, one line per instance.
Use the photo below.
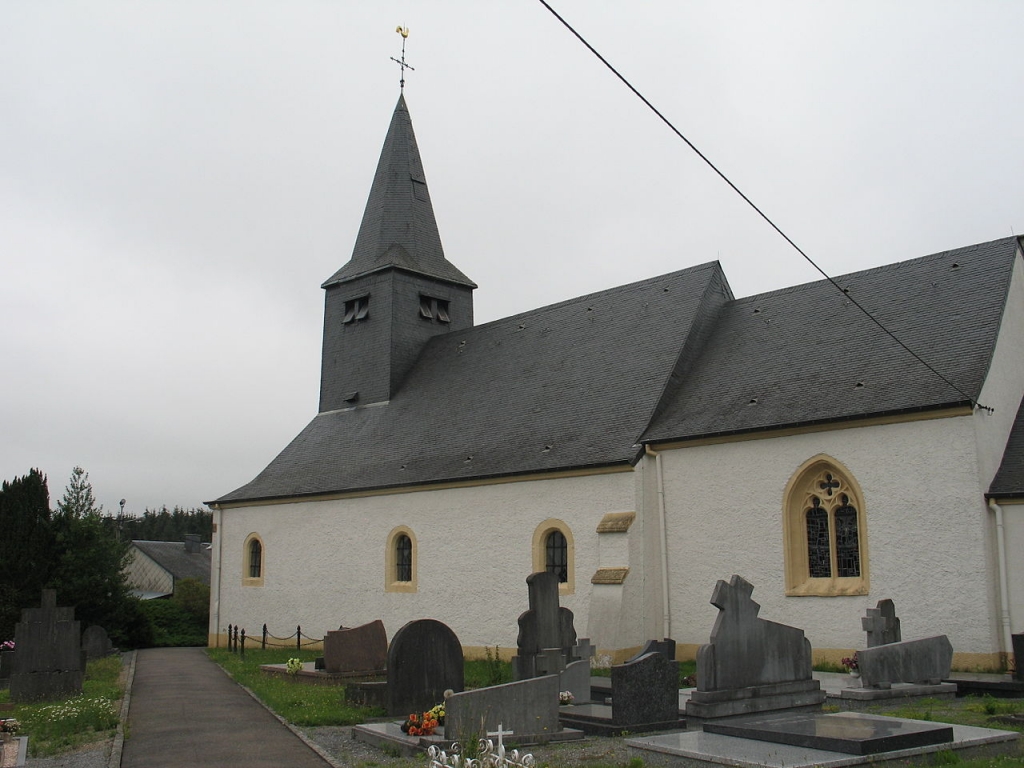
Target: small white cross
(501, 744)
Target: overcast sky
(178, 178)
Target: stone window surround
(247, 580)
(540, 562)
(391, 582)
(794, 504)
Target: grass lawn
(55, 727)
(297, 702)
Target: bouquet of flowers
(10, 725)
(850, 662)
(424, 725)
(565, 697)
(7, 645)
(294, 666)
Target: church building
(644, 442)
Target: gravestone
(751, 665)
(1018, 656)
(547, 640)
(529, 708)
(645, 692)
(424, 660)
(359, 649)
(882, 624)
(96, 643)
(666, 648)
(544, 627)
(925, 661)
(48, 658)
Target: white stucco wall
(324, 561)
(1013, 529)
(926, 531)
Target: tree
(27, 544)
(78, 498)
(89, 568)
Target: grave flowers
(294, 666)
(424, 725)
(565, 698)
(851, 663)
(8, 728)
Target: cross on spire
(404, 32)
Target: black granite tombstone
(645, 692)
(424, 660)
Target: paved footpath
(185, 711)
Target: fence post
(229, 638)
(298, 637)
(243, 643)
(263, 644)
(236, 638)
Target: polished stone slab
(714, 749)
(854, 733)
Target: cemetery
(756, 700)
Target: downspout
(218, 527)
(1004, 590)
(666, 620)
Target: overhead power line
(760, 213)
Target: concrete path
(185, 711)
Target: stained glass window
(557, 556)
(847, 541)
(819, 555)
(403, 558)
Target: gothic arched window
(824, 532)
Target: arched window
(557, 556)
(554, 551)
(403, 558)
(255, 559)
(825, 531)
(252, 566)
(400, 561)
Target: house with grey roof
(643, 442)
(155, 567)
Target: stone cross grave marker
(882, 624)
(48, 660)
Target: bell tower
(397, 291)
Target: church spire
(398, 229)
(397, 291)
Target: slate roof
(1009, 480)
(565, 386)
(398, 227)
(806, 354)
(173, 557)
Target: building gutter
(1004, 591)
(218, 515)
